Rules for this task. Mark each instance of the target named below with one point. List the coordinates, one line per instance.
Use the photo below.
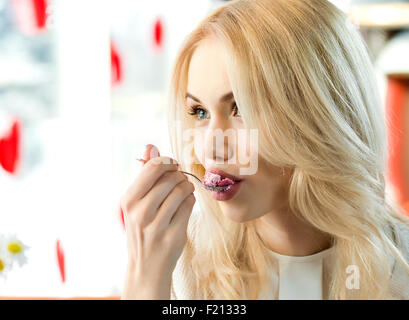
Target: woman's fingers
(149, 174)
(163, 187)
(180, 219)
(151, 151)
(170, 205)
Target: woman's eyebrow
(224, 98)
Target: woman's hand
(156, 209)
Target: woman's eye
(201, 113)
(236, 110)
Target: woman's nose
(220, 144)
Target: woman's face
(257, 194)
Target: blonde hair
(300, 73)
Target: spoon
(211, 188)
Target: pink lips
(218, 178)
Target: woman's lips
(227, 194)
(222, 174)
(218, 178)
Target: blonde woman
(313, 221)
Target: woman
(313, 220)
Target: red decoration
(40, 7)
(60, 260)
(121, 216)
(116, 65)
(158, 34)
(31, 15)
(397, 99)
(10, 148)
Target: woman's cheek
(199, 149)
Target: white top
(300, 277)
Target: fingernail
(154, 152)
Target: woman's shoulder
(182, 287)
(400, 275)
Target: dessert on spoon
(211, 181)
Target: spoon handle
(192, 176)
(201, 182)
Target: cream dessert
(214, 181)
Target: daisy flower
(16, 250)
(5, 262)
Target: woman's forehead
(208, 80)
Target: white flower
(15, 249)
(5, 261)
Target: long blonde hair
(301, 74)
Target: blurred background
(82, 91)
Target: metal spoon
(217, 188)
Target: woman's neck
(286, 234)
